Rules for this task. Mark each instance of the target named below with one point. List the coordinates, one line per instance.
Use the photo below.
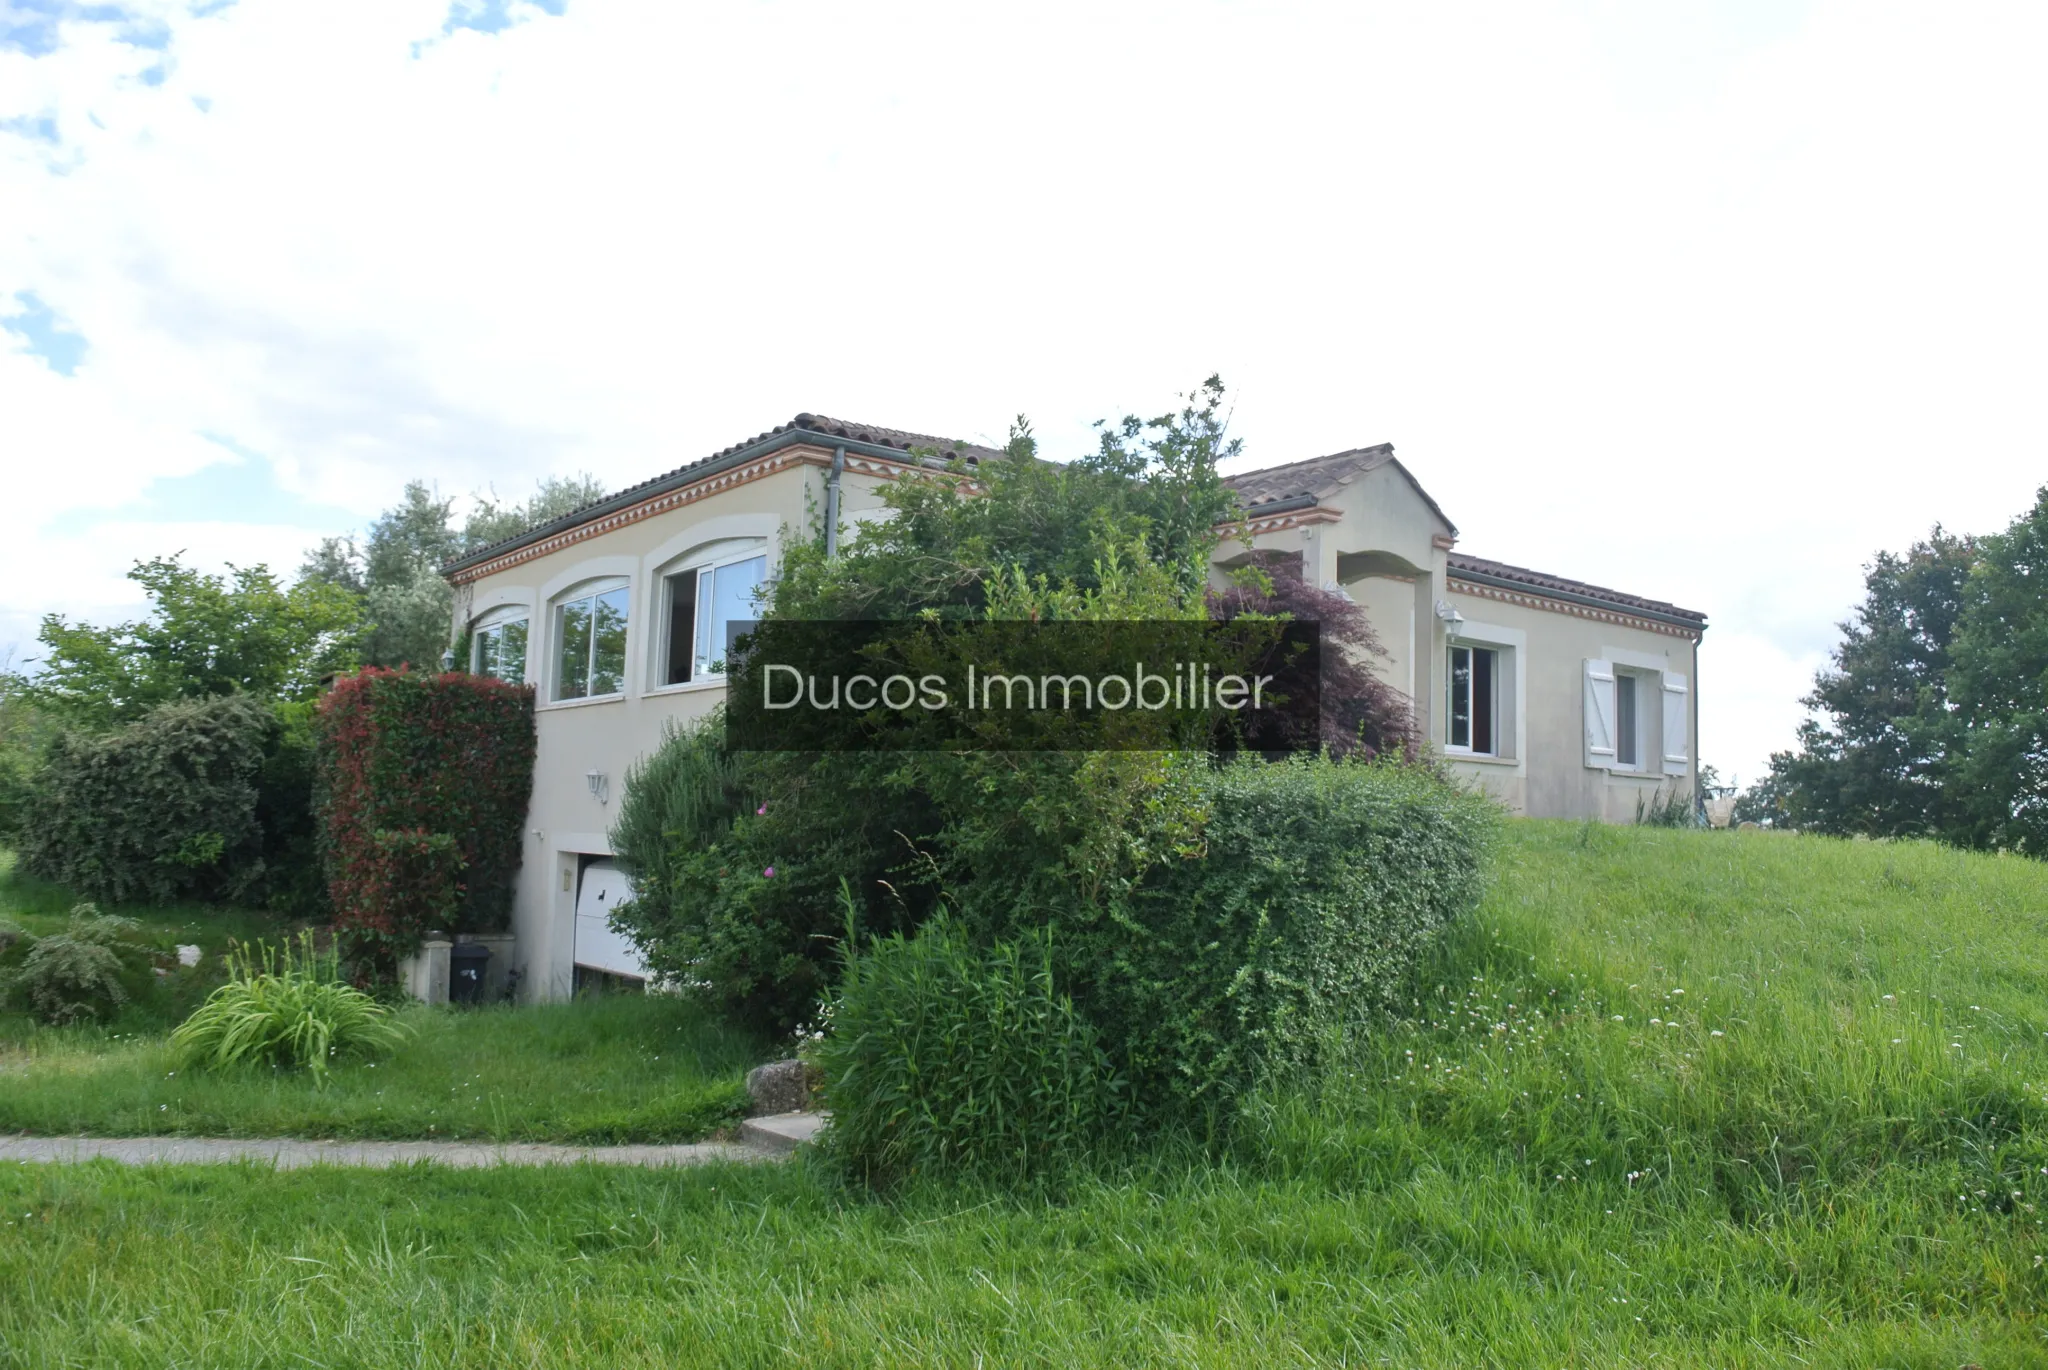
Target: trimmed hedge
(163, 809)
(401, 757)
(1317, 887)
(412, 884)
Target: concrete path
(289, 1154)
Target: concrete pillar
(425, 973)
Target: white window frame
(1470, 748)
(588, 589)
(498, 618)
(1510, 647)
(1641, 686)
(1661, 691)
(701, 562)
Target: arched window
(497, 644)
(706, 592)
(590, 640)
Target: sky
(1706, 302)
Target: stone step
(783, 1131)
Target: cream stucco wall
(566, 820)
(1544, 774)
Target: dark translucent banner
(929, 685)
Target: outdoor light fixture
(600, 786)
(1448, 614)
(448, 659)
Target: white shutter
(1600, 713)
(1677, 715)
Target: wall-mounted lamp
(448, 659)
(1448, 614)
(600, 786)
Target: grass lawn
(617, 1068)
(1674, 1098)
(610, 1069)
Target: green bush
(1316, 888)
(943, 1057)
(160, 810)
(285, 1008)
(76, 975)
(737, 863)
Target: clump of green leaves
(951, 1059)
(160, 809)
(1304, 902)
(285, 1006)
(1672, 808)
(74, 976)
(205, 635)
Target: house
(1561, 698)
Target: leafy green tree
(491, 521)
(25, 731)
(1999, 693)
(1878, 759)
(1935, 712)
(205, 635)
(396, 570)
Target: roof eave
(688, 475)
(1682, 618)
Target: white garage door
(604, 888)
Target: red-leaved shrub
(422, 788)
(412, 884)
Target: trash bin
(466, 961)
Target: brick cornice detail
(797, 455)
(1280, 523)
(1558, 606)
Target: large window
(1473, 717)
(703, 602)
(498, 645)
(590, 642)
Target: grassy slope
(1837, 1179)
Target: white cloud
(1709, 307)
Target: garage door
(602, 889)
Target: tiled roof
(1320, 478)
(1317, 478)
(887, 437)
(828, 429)
(814, 423)
(1541, 582)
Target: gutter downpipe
(832, 501)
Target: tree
(489, 521)
(1936, 707)
(205, 636)
(25, 731)
(396, 571)
(1999, 693)
(1359, 712)
(1879, 761)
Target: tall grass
(1801, 1190)
(618, 1068)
